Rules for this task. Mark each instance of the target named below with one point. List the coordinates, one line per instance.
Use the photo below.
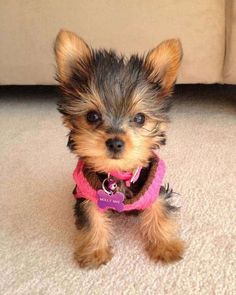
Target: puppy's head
(114, 107)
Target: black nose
(115, 145)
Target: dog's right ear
(73, 57)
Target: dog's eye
(93, 117)
(139, 119)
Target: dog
(116, 111)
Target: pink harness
(85, 190)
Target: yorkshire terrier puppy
(116, 111)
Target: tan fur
(68, 49)
(165, 61)
(91, 146)
(93, 243)
(90, 142)
(159, 231)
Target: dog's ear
(72, 55)
(162, 64)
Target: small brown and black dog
(116, 111)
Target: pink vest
(85, 190)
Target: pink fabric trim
(122, 175)
(84, 189)
(152, 193)
(128, 177)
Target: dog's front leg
(94, 232)
(159, 231)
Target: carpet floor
(36, 218)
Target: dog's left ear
(162, 64)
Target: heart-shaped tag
(113, 201)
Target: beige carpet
(36, 217)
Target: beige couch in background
(207, 29)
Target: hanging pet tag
(109, 198)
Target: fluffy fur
(117, 89)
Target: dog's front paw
(166, 252)
(93, 259)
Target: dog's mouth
(115, 156)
